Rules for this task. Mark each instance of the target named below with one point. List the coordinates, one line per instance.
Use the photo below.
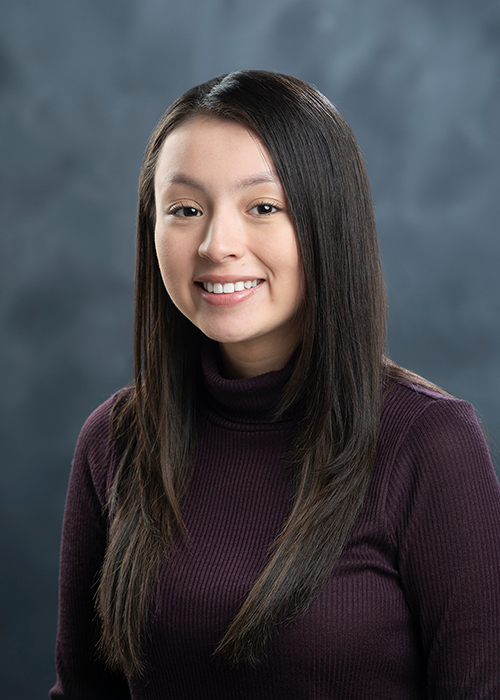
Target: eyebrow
(257, 179)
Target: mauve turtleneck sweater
(411, 611)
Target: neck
(243, 362)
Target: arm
(449, 543)
(80, 673)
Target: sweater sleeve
(80, 673)
(448, 534)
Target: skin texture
(222, 216)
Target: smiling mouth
(229, 287)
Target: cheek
(171, 262)
(290, 263)
(163, 252)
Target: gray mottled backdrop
(82, 83)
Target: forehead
(208, 146)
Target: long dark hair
(338, 376)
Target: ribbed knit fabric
(412, 610)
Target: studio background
(82, 84)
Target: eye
(263, 208)
(184, 211)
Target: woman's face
(226, 244)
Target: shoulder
(96, 431)
(96, 454)
(426, 417)
(431, 446)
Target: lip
(227, 299)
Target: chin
(224, 337)
(225, 332)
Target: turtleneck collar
(242, 401)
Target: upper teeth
(229, 287)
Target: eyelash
(178, 207)
(264, 203)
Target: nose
(222, 239)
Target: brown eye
(263, 209)
(185, 212)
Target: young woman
(274, 510)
